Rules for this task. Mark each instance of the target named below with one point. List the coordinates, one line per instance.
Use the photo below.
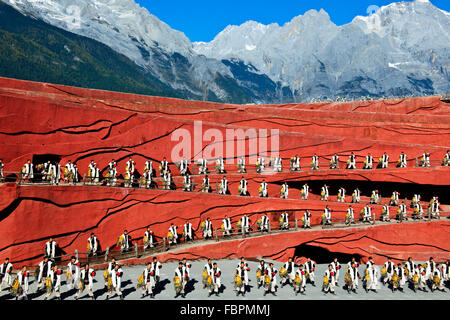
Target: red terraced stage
(38, 120)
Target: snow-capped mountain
(402, 49)
(132, 31)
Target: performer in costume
(53, 283)
(23, 277)
(306, 219)
(226, 223)
(287, 273)
(6, 279)
(50, 248)
(73, 273)
(263, 189)
(92, 245)
(270, 280)
(329, 281)
(87, 275)
(351, 162)
(402, 160)
(116, 277)
(149, 239)
(334, 163)
(295, 163)
(368, 162)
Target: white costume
(223, 186)
(167, 180)
(55, 277)
(150, 243)
(164, 167)
(425, 160)
(371, 283)
(23, 278)
(245, 225)
(272, 273)
(351, 162)
(368, 163)
(215, 275)
(284, 225)
(331, 281)
(116, 277)
(173, 230)
(50, 249)
(337, 270)
(401, 212)
(242, 187)
(226, 226)
(183, 167)
(310, 268)
(125, 245)
(385, 213)
(295, 164)
(149, 281)
(208, 231)
(341, 195)
(277, 164)
(260, 165)
(93, 245)
(187, 183)
(334, 163)
(350, 217)
(5, 275)
(305, 192)
(55, 173)
(300, 287)
(290, 273)
(402, 161)
(205, 184)
(187, 230)
(242, 272)
(284, 191)
(28, 174)
(307, 219)
(44, 272)
(263, 190)
(73, 274)
(374, 197)
(389, 271)
(315, 163)
(220, 167)
(394, 199)
(384, 161)
(367, 215)
(324, 193)
(241, 165)
(265, 224)
(87, 282)
(202, 166)
(326, 218)
(356, 196)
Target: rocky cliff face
(45, 121)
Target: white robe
(50, 249)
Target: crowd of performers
(54, 172)
(79, 278)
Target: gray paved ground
(166, 291)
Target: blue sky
(202, 20)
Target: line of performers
(81, 277)
(54, 173)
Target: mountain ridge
(309, 58)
